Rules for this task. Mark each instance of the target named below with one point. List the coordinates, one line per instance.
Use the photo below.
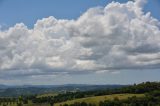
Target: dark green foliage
(150, 89)
(137, 89)
(149, 100)
(152, 98)
(80, 104)
(19, 104)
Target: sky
(54, 42)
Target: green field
(47, 94)
(97, 99)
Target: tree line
(150, 89)
(151, 99)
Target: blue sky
(29, 11)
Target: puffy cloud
(140, 3)
(116, 37)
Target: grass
(12, 104)
(97, 99)
(47, 94)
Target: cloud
(116, 37)
(140, 3)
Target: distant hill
(143, 94)
(8, 91)
(4, 86)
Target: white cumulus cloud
(116, 37)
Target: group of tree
(79, 104)
(19, 101)
(142, 88)
(151, 89)
(136, 89)
(148, 100)
(151, 99)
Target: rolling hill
(97, 99)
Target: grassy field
(47, 94)
(97, 99)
